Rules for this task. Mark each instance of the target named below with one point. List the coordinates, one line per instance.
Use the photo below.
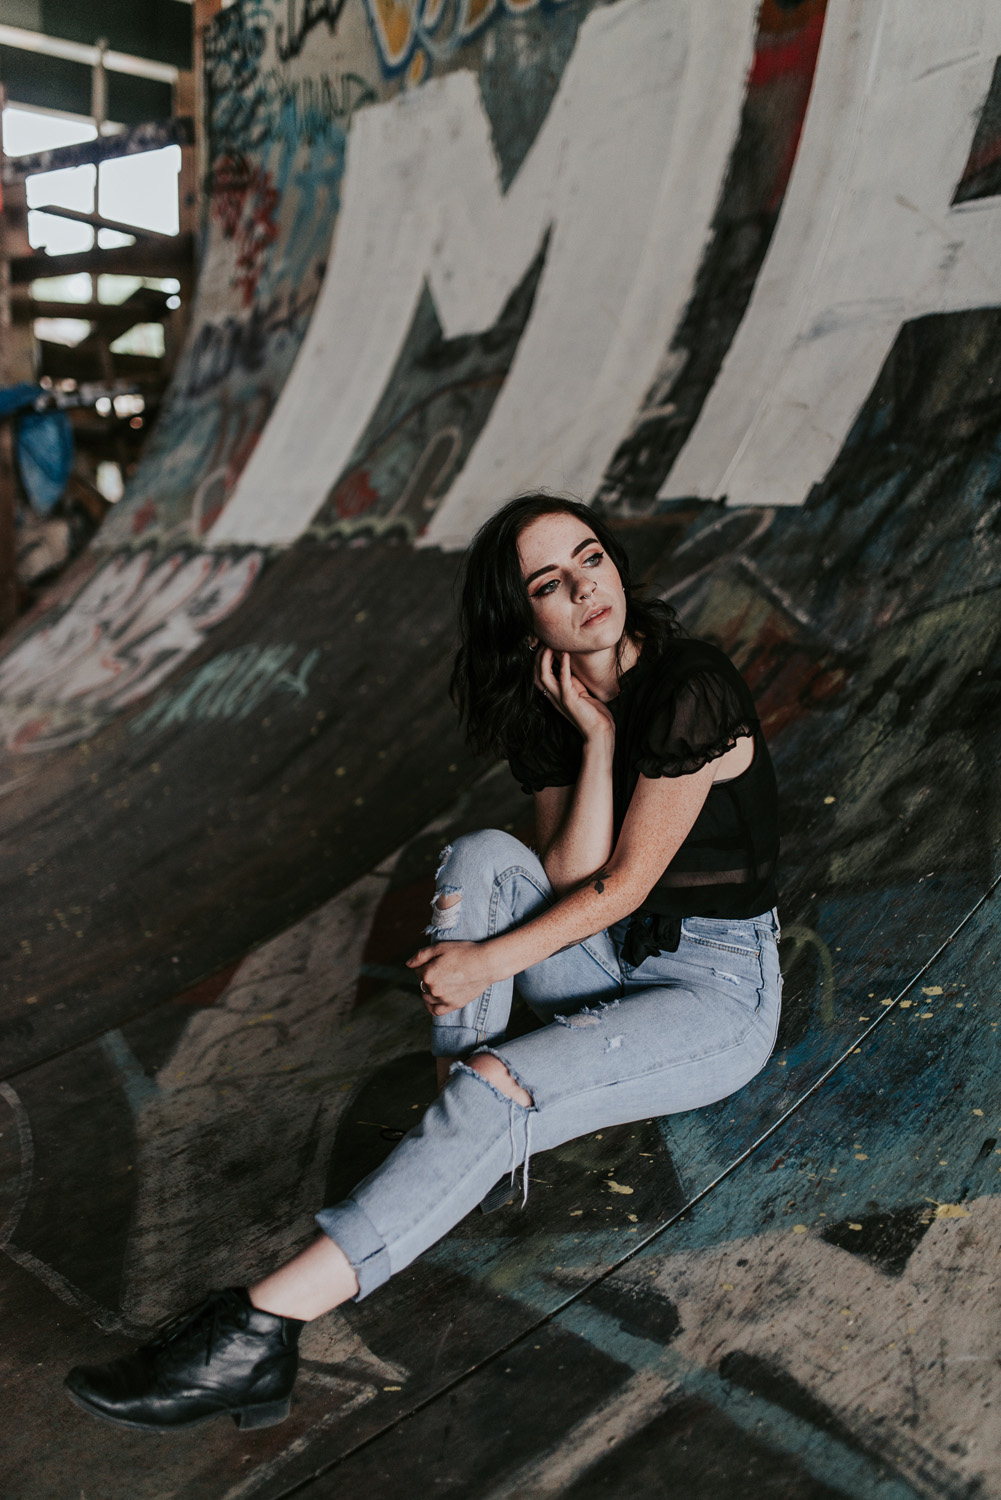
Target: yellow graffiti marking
(795, 937)
(408, 33)
(394, 25)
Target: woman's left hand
(452, 975)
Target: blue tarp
(44, 445)
(17, 397)
(44, 456)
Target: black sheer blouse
(676, 710)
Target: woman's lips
(599, 615)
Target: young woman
(641, 932)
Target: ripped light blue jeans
(679, 1031)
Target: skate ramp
(733, 275)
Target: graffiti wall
(453, 251)
(370, 168)
(287, 81)
(647, 251)
(127, 629)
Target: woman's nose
(584, 586)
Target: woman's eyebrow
(549, 567)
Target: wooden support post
(8, 479)
(203, 14)
(189, 216)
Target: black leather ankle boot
(222, 1356)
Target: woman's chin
(604, 635)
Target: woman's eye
(594, 559)
(547, 588)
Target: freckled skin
(569, 580)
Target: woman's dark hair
(492, 678)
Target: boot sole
(263, 1414)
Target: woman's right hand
(589, 716)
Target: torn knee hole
(444, 911)
(495, 1072)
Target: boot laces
(217, 1310)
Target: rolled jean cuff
(456, 1041)
(352, 1231)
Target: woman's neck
(600, 671)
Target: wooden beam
(99, 222)
(86, 365)
(27, 39)
(150, 308)
(125, 260)
(149, 137)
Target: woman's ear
(532, 642)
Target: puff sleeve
(552, 760)
(693, 719)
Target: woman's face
(576, 596)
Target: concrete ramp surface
(732, 273)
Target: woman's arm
(574, 824)
(660, 815)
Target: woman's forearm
(583, 843)
(660, 817)
(661, 813)
(604, 898)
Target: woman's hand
(452, 975)
(589, 716)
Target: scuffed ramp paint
(822, 1323)
(233, 1137)
(906, 1366)
(133, 624)
(626, 169)
(867, 239)
(642, 1398)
